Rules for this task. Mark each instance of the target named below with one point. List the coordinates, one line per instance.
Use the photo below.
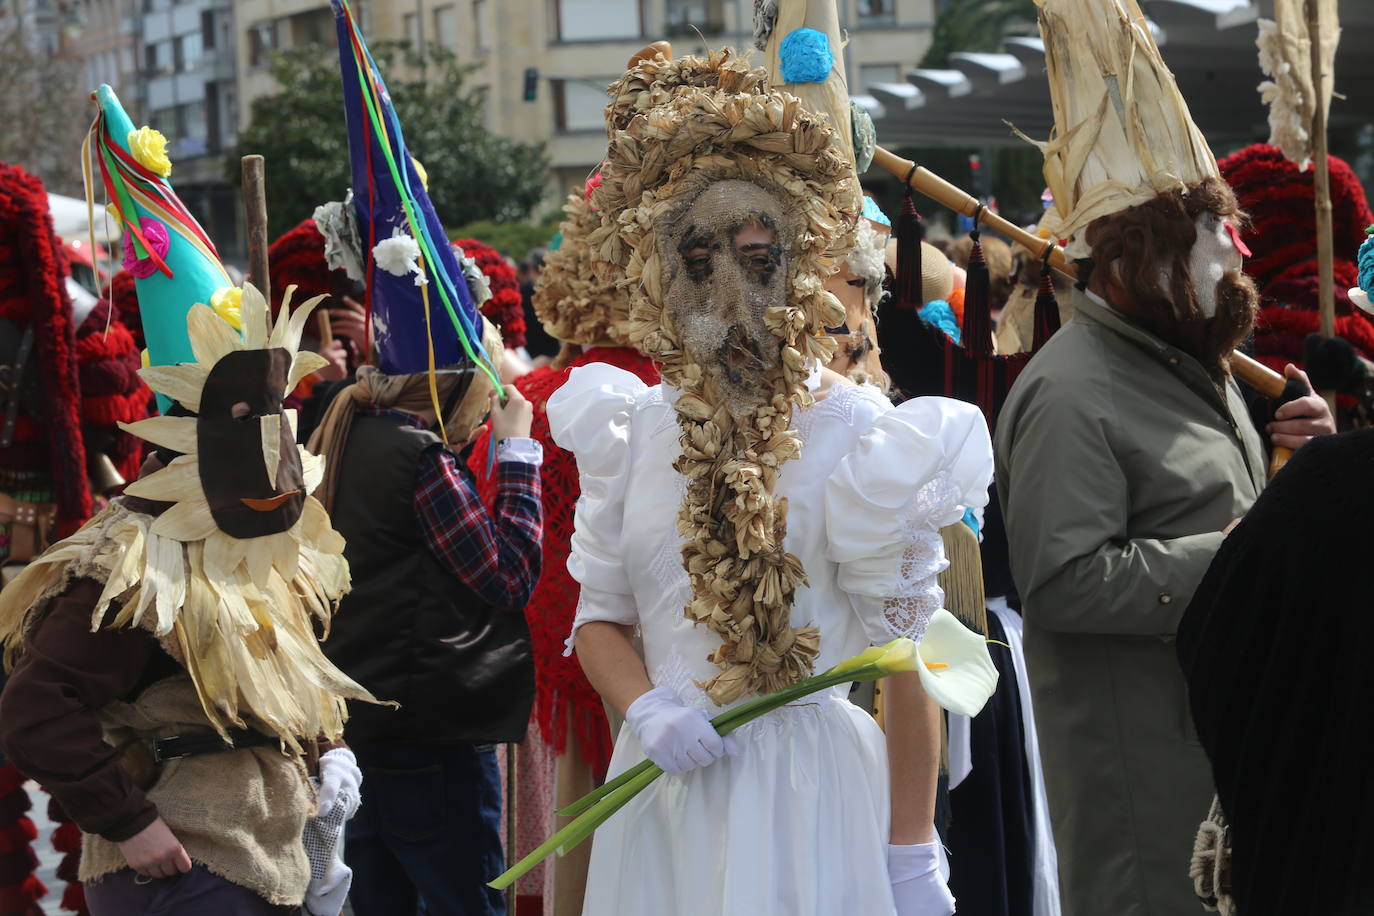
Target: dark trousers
(427, 837)
(196, 893)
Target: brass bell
(104, 477)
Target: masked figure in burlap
(756, 518)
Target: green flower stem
(732, 719)
(596, 807)
(607, 807)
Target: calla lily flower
(865, 658)
(955, 668)
(898, 656)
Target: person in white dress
(754, 519)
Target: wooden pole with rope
(1254, 373)
(1321, 189)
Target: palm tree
(976, 25)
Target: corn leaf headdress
(1122, 132)
(743, 580)
(423, 313)
(234, 574)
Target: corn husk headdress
(726, 127)
(1285, 56)
(1122, 133)
(572, 301)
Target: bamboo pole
(1326, 293)
(255, 219)
(1256, 374)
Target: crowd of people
(332, 590)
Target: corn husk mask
(236, 573)
(736, 329)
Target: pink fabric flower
(155, 234)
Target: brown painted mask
(250, 468)
(726, 267)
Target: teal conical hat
(173, 261)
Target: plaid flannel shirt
(496, 552)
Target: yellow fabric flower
(149, 147)
(227, 302)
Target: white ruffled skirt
(796, 825)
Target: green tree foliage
(515, 240)
(977, 25)
(473, 174)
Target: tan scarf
(407, 393)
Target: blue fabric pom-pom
(805, 56)
(1365, 262)
(873, 212)
(938, 313)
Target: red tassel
(67, 838)
(74, 899)
(909, 231)
(11, 780)
(1046, 310)
(977, 329)
(19, 897)
(69, 869)
(17, 835)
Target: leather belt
(178, 746)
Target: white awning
(1209, 45)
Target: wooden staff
(1259, 376)
(1326, 293)
(255, 218)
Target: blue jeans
(427, 837)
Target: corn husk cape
(1285, 56)
(1122, 132)
(237, 613)
(743, 581)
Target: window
(312, 28)
(190, 52)
(877, 12)
(869, 74)
(590, 20)
(446, 27)
(412, 30)
(480, 27)
(687, 17)
(262, 41)
(179, 54)
(580, 104)
(207, 28)
(150, 59)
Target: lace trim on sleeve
(918, 595)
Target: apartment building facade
(542, 66)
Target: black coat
(1275, 647)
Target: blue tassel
(806, 57)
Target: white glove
(918, 875)
(340, 782)
(676, 737)
(325, 896)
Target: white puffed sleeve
(590, 416)
(918, 468)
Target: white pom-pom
(399, 255)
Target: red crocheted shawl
(562, 692)
(32, 292)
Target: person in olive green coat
(1124, 454)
